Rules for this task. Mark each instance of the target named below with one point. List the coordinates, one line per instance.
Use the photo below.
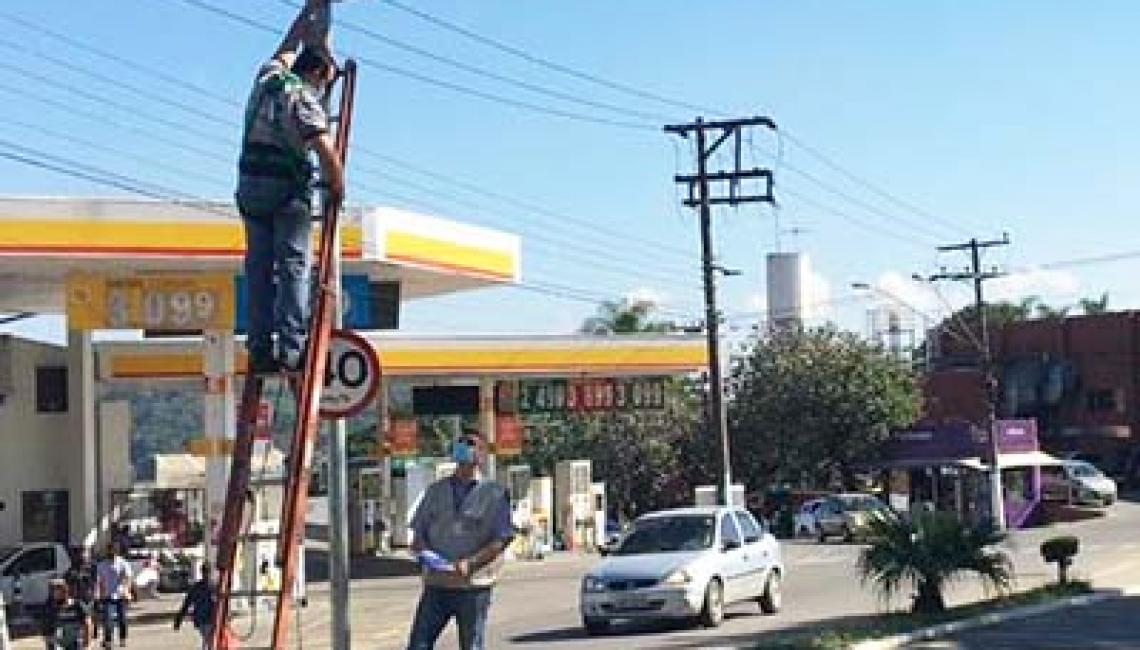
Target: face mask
(462, 452)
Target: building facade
(1079, 377)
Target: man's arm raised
(310, 28)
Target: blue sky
(974, 118)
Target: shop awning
(1017, 459)
(1028, 459)
(914, 463)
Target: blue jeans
(277, 259)
(438, 605)
(114, 609)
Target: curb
(985, 620)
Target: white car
(807, 519)
(1077, 481)
(689, 563)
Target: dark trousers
(438, 605)
(114, 609)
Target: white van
(1075, 481)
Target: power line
(661, 99)
(440, 83)
(869, 225)
(651, 246)
(68, 167)
(230, 143)
(488, 74)
(177, 81)
(551, 65)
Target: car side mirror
(731, 544)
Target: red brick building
(1078, 376)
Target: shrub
(1061, 550)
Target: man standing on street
(113, 587)
(285, 123)
(461, 528)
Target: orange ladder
(305, 429)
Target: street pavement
(536, 605)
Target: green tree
(1094, 306)
(812, 406)
(928, 552)
(625, 317)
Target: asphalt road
(535, 606)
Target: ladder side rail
(312, 384)
(238, 486)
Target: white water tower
(788, 295)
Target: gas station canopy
(43, 241)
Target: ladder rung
(260, 537)
(253, 593)
(256, 481)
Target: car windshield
(861, 502)
(1084, 470)
(668, 535)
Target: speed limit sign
(352, 376)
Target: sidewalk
(1113, 622)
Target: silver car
(689, 563)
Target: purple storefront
(946, 468)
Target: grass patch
(846, 633)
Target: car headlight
(590, 583)
(678, 577)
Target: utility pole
(700, 197)
(989, 382)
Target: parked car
(848, 516)
(26, 570)
(688, 563)
(1077, 481)
(806, 524)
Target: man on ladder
(285, 122)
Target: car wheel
(712, 615)
(595, 626)
(772, 598)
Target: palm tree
(1094, 306)
(927, 552)
(624, 317)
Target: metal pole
(997, 497)
(339, 573)
(717, 416)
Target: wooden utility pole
(700, 197)
(989, 382)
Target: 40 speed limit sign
(352, 376)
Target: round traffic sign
(352, 375)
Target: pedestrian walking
(80, 578)
(461, 528)
(285, 122)
(113, 579)
(67, 623)
(199, 603)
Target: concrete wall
(37, 451)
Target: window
(728, 532)
(51, 389)
(748, 526)
(1100, 400)
(39, 560)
